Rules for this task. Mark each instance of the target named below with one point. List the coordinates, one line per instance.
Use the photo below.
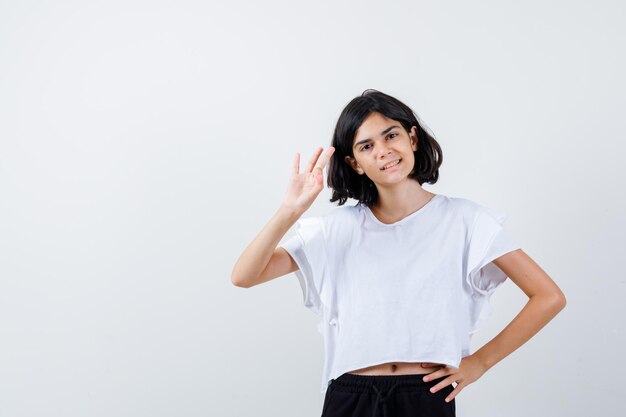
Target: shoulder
(336, 219)
(462, 203)
(341, 216)
(462, 207)
(337, 222)
(342, 212)
(477, 214)
(470, 211)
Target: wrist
(289, 212)
(483, 360)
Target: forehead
(373, 125)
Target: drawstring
(381, 399)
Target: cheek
(408, 164)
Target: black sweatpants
(386, 396)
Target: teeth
(389, 165)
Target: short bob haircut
(343, 180)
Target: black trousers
(386, 396)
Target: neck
(400, 200)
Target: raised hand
(305, 186)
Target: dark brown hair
(343, 180)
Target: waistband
(364, 383)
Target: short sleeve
(488, 241)
(308, 249)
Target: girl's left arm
(546, 300)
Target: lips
(399, 161)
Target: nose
(384, 147)
(383, 150)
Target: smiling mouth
(399, 162)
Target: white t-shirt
(411, 291)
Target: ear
(353, 164)
(413, 136)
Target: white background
(144, 144)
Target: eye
(388, 136)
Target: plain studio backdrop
(144, 144)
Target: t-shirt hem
(366, 364)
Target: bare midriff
(397, 368)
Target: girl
(402, 279)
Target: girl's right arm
(262, 260)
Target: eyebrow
(369, 139)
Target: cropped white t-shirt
(411, 291)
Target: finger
(437, 374)
(455, 392)
(444, 383)
(321, 162)
(313, 160)
(326, 157)
(431, 364)
(296, 163)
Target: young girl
(402, 279)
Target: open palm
(305, 186)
